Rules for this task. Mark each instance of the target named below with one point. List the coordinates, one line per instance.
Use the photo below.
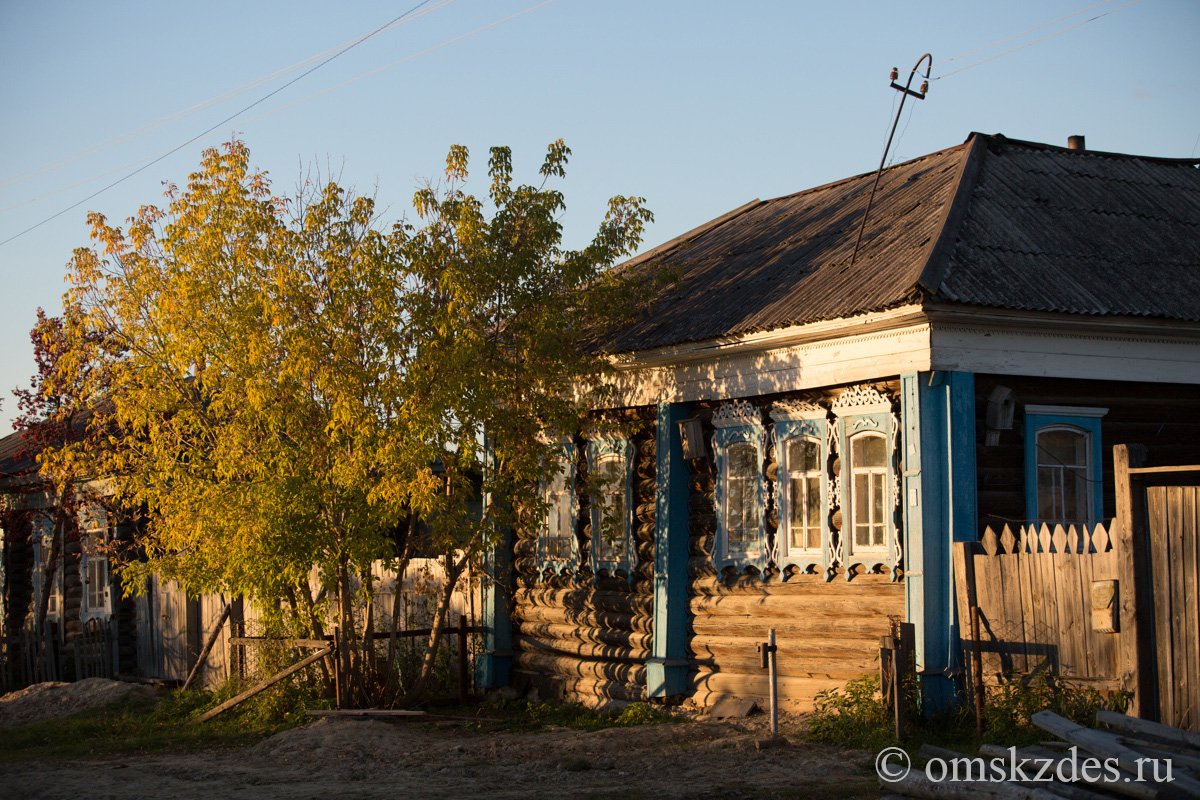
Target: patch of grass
(529, 715)
(857, 717)
(156, 724)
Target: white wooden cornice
(914, 338)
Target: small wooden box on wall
(1104, 606)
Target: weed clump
(857, 716)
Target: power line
(220, 124)
(1035, 41)
(1022, 33)
(159, 157)
(195, 109)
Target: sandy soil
(55, 700)
(372, 758)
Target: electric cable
(220, 124)
(1035, 41)
(156, 158)
(206, 104)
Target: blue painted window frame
(598, 450)
(785, 432)
(723, 439)
(557, 565)
(1083, 419)
(850, 427)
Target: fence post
(977, 670)
(1137, 674)
(339, 681)
(462, 659)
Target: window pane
(813, 512)
(803, 455)
(869, 451)
(1062, 483)
(798, 502)
(609, 537)
(1062, 447)
(741, 514)
(862, 512)
(877, 520)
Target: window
(740, 495)
(741, 518)
(868, 483)
(95, 533)
(556, 543)
(611, 495)
(800, 478)
(42, 536)
(868, 491)
(1062, 458)
(802, 490)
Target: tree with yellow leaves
(293, 388)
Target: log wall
(1164, 417)
(584, 637)
(827, 632)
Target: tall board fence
(1174, 566)
(1047, 602)
(1116, 606)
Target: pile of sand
(54, 700)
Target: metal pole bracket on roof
(905, 93)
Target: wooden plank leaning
(208, 646)
(269, 682)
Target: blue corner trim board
(940, 508)
(666, 669)
(493, 667)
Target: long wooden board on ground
(269, 682)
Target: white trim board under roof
(910, 339)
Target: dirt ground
(373, 758)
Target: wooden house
(805, 428)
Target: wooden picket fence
(39, 654)
(94, 650)
(1047, 600)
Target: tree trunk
(454, 570)
(313, 623)
(345, 622)
(51, 568)
(402, 552)
(369, 683)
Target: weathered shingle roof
(992, 222)
(1049, 229)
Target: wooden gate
(1174, 556)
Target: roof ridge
(937, 256)
(871, 174)
(1000, 140)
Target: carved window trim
(864, 409)
(808, 425)
(560, 486)
(739, 423)
(599, 451)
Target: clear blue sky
(697, 106)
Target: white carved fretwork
(787, 410)
(862, 399)
(736, 414)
